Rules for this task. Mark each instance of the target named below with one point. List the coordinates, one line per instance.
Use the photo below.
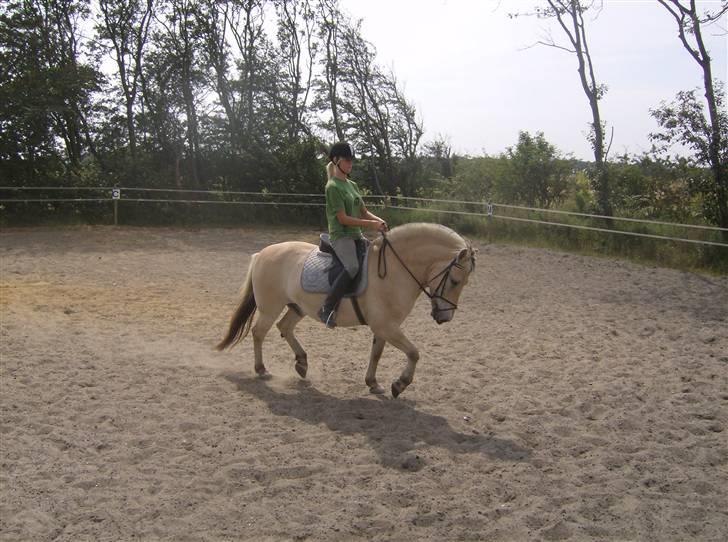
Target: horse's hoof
(264, 375)
(376, 389)
(397, 388)
(301, 368)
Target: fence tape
(488, 207)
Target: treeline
(245, 95)
(535, 173)
(236, 94)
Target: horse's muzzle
(441, 316)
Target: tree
(570, 16)
(214, 20)
(476, 179)
(537, 174)
(296, 24)
(685, 121)
(644, 187)
(46, 90)
(375, 114)
(329, 34)
(26, 135)
(248, 30)
(203, 94)
(440, 151)
(163, 111)
(126, 26)
(179, 42)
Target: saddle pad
(315, 274)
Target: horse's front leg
(371, 378)
(398, 340)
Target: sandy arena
(572, 398)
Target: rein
(439, 290)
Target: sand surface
(571, 398)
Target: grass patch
(647, 251)
(496, 229)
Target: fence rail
(117, 194)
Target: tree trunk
(576, 32)
(193, 138)
(718, 169)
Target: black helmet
(341, 150)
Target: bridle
(439, 290)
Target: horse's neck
(420, 253)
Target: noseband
(437, 292)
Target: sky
(477, 79)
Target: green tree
(656, 188)
(125, 26)
(440, 152)
(536, 173)
(476, 178)
(684, 120)
(178, 43)
(298, 48)
(376, 116)
(570, 16)
(327, 101)
(45, 90)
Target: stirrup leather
(328, 318)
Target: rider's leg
(341, 286)
(345, 249)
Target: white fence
(494, 211)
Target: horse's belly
(278, 269)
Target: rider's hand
(382, 226)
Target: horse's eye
(454, 282)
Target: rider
(346, 215)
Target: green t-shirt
(342, 194)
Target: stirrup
(328, 318)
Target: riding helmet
(341, 150)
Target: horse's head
(447, 285)
(436, 258)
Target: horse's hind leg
(259, 331)
(371, 378)
(286, 325)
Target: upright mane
(408, 232)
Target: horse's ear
(468, 254)
(471, 248)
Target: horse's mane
(425, 229)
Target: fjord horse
(404, 263)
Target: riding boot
(339, 288)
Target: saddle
(322, 267)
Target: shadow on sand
(393, 428)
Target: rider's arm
(366, 213)
(347, 220)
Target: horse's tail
(243, 318)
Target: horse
(407, 261)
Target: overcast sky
(474, 78)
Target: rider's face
(346, 165)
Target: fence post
(116, 196)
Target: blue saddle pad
(315, 274)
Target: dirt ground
(571, 398)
